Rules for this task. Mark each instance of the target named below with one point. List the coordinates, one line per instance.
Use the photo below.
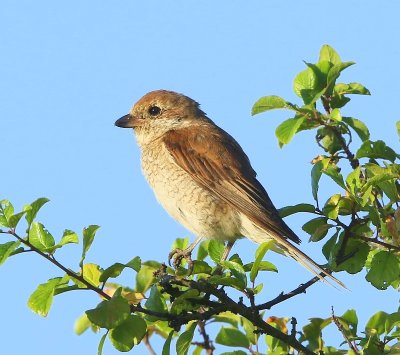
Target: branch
(247, 312)
(51, 258)
(340, 328)
(206, 344)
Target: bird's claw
(177, 255)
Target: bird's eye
(154, 110)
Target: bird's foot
(178, 255)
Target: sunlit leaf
(82, 324)
(267, 103)
(40, 238)
(32, 209)
(287, 129)
(88, 236)
(6, 249)
(328, 54)
(41, 299)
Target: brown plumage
(203, 178)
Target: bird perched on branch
(204, 179)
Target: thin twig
(148, 345)
(341, 330)
(206, 344)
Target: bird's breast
(195, 207)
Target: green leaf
(41, 299)
(40, 238)
(116, 269)
(180, 243)
(82, 324)
(328, 54)
(317, 228)
(312, 332)
(185, 339)
(14, 219)
(101, 344)
(351, 319)
(135, 263)
(33, 209)
(110, 313)
(236, 352)
(216, 250)
(385, 269)
(202, 250)
(376, 150)
(250, 330)
(358, 126)
(353, 181)
(351, 88)
(316, 173)
(6, 249)
(334, 74)
(263, 266)
(91, 273)
(128, 333)
(267, 103)
(69, 237)
(287, 129)
(155, 302)
(88, 236)
(398, 128)
(227, 281)
(260, 252)
(201, 267)
(306, 85)
(227, 317)
(112, 271)
(144, 278)
(236, 269)
(301, 207)
(334, 173)
(354, 255)
(6, 211)
(331, 208)
(166, 350)
(376, 324)
(336, 115)
(232, 337)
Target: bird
(204, 180)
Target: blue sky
(70, 69)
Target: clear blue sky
(69, 69)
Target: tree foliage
(359, 227)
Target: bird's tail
(304, 260)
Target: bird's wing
(218, 163)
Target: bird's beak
(126, 121)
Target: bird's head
(158, 112)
